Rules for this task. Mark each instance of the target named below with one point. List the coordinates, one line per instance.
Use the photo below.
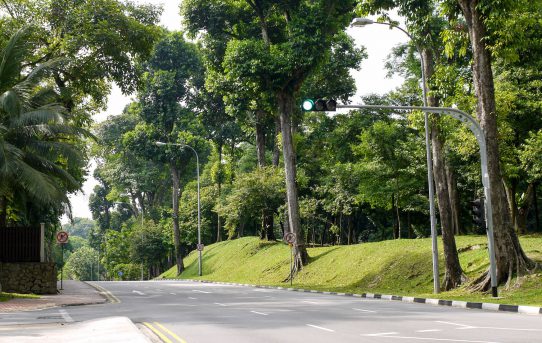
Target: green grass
(400, 267)
(7, 296)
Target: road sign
(62, 237)
(290, 238)
(200, 247)
(120, 273)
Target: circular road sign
(200, 247)
(62, 237)
(290, 238)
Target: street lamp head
(361, 22)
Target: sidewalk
(73, 293)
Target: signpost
(290, 238)
(200, 247)
(62, 238)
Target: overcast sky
(377, 39)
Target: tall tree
(171, 80)
(483, 18)
(294, 38)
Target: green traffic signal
(307, 105)
(319, 105)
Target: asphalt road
(194, 312)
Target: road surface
(183, 311)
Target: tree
(483, 19)
(39, 161)
(82, 264)
(172, 76)
(283, 46)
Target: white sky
(377, 39)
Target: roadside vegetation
(399, 267)
(8, 296)
(223, 96)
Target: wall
(28, 277)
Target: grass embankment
(8, 296)
(399, 267)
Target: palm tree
(38, 157)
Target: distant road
(183, 311)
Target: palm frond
(43, 115)
(9, 103)
(11, 56)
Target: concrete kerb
(531, 310)
(104, 292)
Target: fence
(20, 244)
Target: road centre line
(311, 302)
(220, 304)
(173, 293)
(138, 292)
(172, 334)
(362, 310)
(192, 298)
(66, 316)
(198, 291)
(319, 327)
(260, 313)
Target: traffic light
(478, 213)
(319, 105)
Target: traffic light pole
(476, 129)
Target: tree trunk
(276, 150)
(509, 255)
(176, 229)
(454, 197)
(260, 138)
(453, 275)
(523, 211)
(286, 107)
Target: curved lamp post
(199, 206)
(360, 22)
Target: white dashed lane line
(260, 313)
(198, 291)
(66, 316)
(138, 292)
(362, 310)
(220, 304)
(320, 328)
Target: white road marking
(66, 316)
(439, 339)
(319, 327)
(198, 291)
(429, 330)
(192, 298)
(467, 327)
(220, 304)
(173, 293)
(380, 334)
(138, 292)
(260, 313)
(311, 302)
(362, 310)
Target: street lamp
(199, 206)
(360, 22)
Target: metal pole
(142, 217)
(434, 234)
(199, 217)
(476, 129)
(291, 264)
(432, 217)
(62, 267)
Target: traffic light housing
(319, 105)
(478, 213)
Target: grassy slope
(7, 296)
(401, 267)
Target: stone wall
(28, 277)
